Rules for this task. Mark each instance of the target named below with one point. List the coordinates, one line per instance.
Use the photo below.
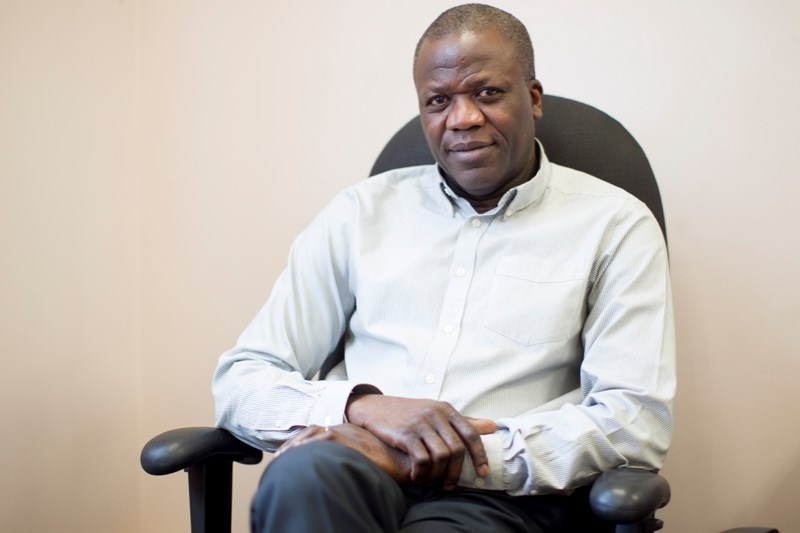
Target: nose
(464, 114)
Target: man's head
(478, 100)
(479, 17)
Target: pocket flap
(538, 269)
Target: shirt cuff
(493, 445)
(330, 406)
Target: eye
(488, 92)
(437, 101)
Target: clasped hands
(412, 440)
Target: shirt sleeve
(622, 413)
(262, 387)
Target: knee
(291, 480)
(312, 467)
(317, 485)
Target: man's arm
(262, 387)
(622, 413)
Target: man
(508, 324)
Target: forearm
(266, 405)
(558, 451)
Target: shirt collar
(514, 200)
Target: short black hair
(479, 17)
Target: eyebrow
(435, 87)
(499, 81)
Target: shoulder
(567, 184)
(569, 181)
(410, 185)
(382, 195)
(401, 179)
(601, 208)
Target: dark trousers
(326, 487)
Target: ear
(535, 90)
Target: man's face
(477, 110)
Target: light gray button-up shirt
(550, 314)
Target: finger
(439, 451)
(448, 469)
(455, 463)
(302, 437)
(451, 459)
(472, 440)
(484, 426)
(440, 439)
(420, 458)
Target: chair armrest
(628, 495)
(182, 448)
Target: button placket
(431, 376)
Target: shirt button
(448, 328)
(476, 222)
(480, 483)
(533, 493)
(460, 272)
(429, 379)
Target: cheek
(517, 133)
(433, 132)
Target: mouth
(467, 147)
(470, 153)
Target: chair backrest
(574, 135)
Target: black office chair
(574, 135)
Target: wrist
(351, 410)
(358, 392)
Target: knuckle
(473, 437)
(446, 406)
(421, 462)
(441, 456)
(405, 434)
(427, 410)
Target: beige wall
(158, 157)
(69, 268)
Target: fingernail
(483, 470)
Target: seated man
(508, 325)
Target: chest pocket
(533, 300)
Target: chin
(476, 183)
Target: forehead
(460, 55)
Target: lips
(470, 154)
(469, 146)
